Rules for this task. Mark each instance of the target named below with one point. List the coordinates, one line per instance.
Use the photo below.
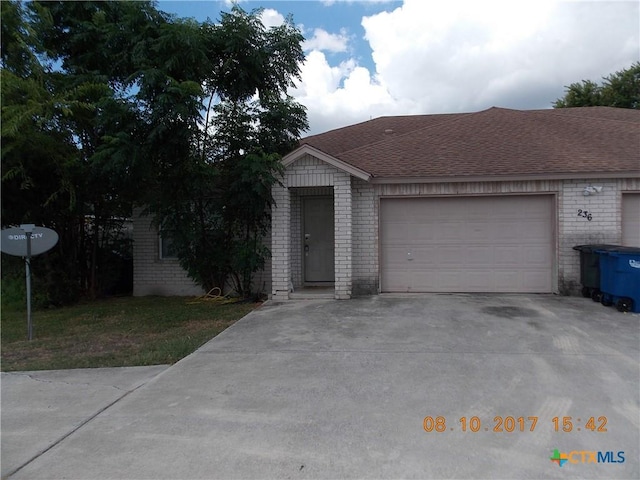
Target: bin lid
(621, 250)
(598, 246)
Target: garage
(631, 219)
(467, 244)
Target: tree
(219, 208)
(109, 104)
(620, 89)
(55, 122)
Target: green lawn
(124, 331)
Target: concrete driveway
(345, 389)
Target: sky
(366, 59)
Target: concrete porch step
(312, 293)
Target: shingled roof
(497, 142)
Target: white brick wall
(343, 238)
(309, 172)
(365, 238)
(280, 243)
(605, 226)
(296, 239)
(151, 274)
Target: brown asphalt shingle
(493, 142)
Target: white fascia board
(320, 155)
(504, 178)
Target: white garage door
(467, 244)
(631, 219)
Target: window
(166, 245)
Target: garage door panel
(481, 232)
(475, 281)
(536, 255)
(422, 256)
(478, 255)
(467, 244)
(398, 234)
(508, 256)
(536, 232)
(420, 231)
(447, 232)
(401, 280)
(448, 255)
(448, 279)
(395, 259)
(505, 280)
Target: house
(491, 201)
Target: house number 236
(584, 214)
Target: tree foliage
(52, 126)
(106, 105)
(620, 89)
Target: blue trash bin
(620, 278)
(590, 268)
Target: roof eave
(504, 178)
(320, 155)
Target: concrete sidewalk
(40, 409)
(329, 389)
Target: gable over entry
(315, 189)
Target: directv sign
(26, 241)
(14, 240)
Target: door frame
(303, 265)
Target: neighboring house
(491, 201)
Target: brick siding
(343, 235)
(153, 275)
(605, 226)
(365, 238)
(356, 204)
(308, 176)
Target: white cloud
(323, 40)
(341, 95)
(271, 18)
(464, 55)
(231, 3)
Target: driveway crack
(73, 430)
(35, 378)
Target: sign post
(28, 229)
(26, 241)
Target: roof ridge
(338, 129)
(371, 120)
(552, 111)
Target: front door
(318, 239)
